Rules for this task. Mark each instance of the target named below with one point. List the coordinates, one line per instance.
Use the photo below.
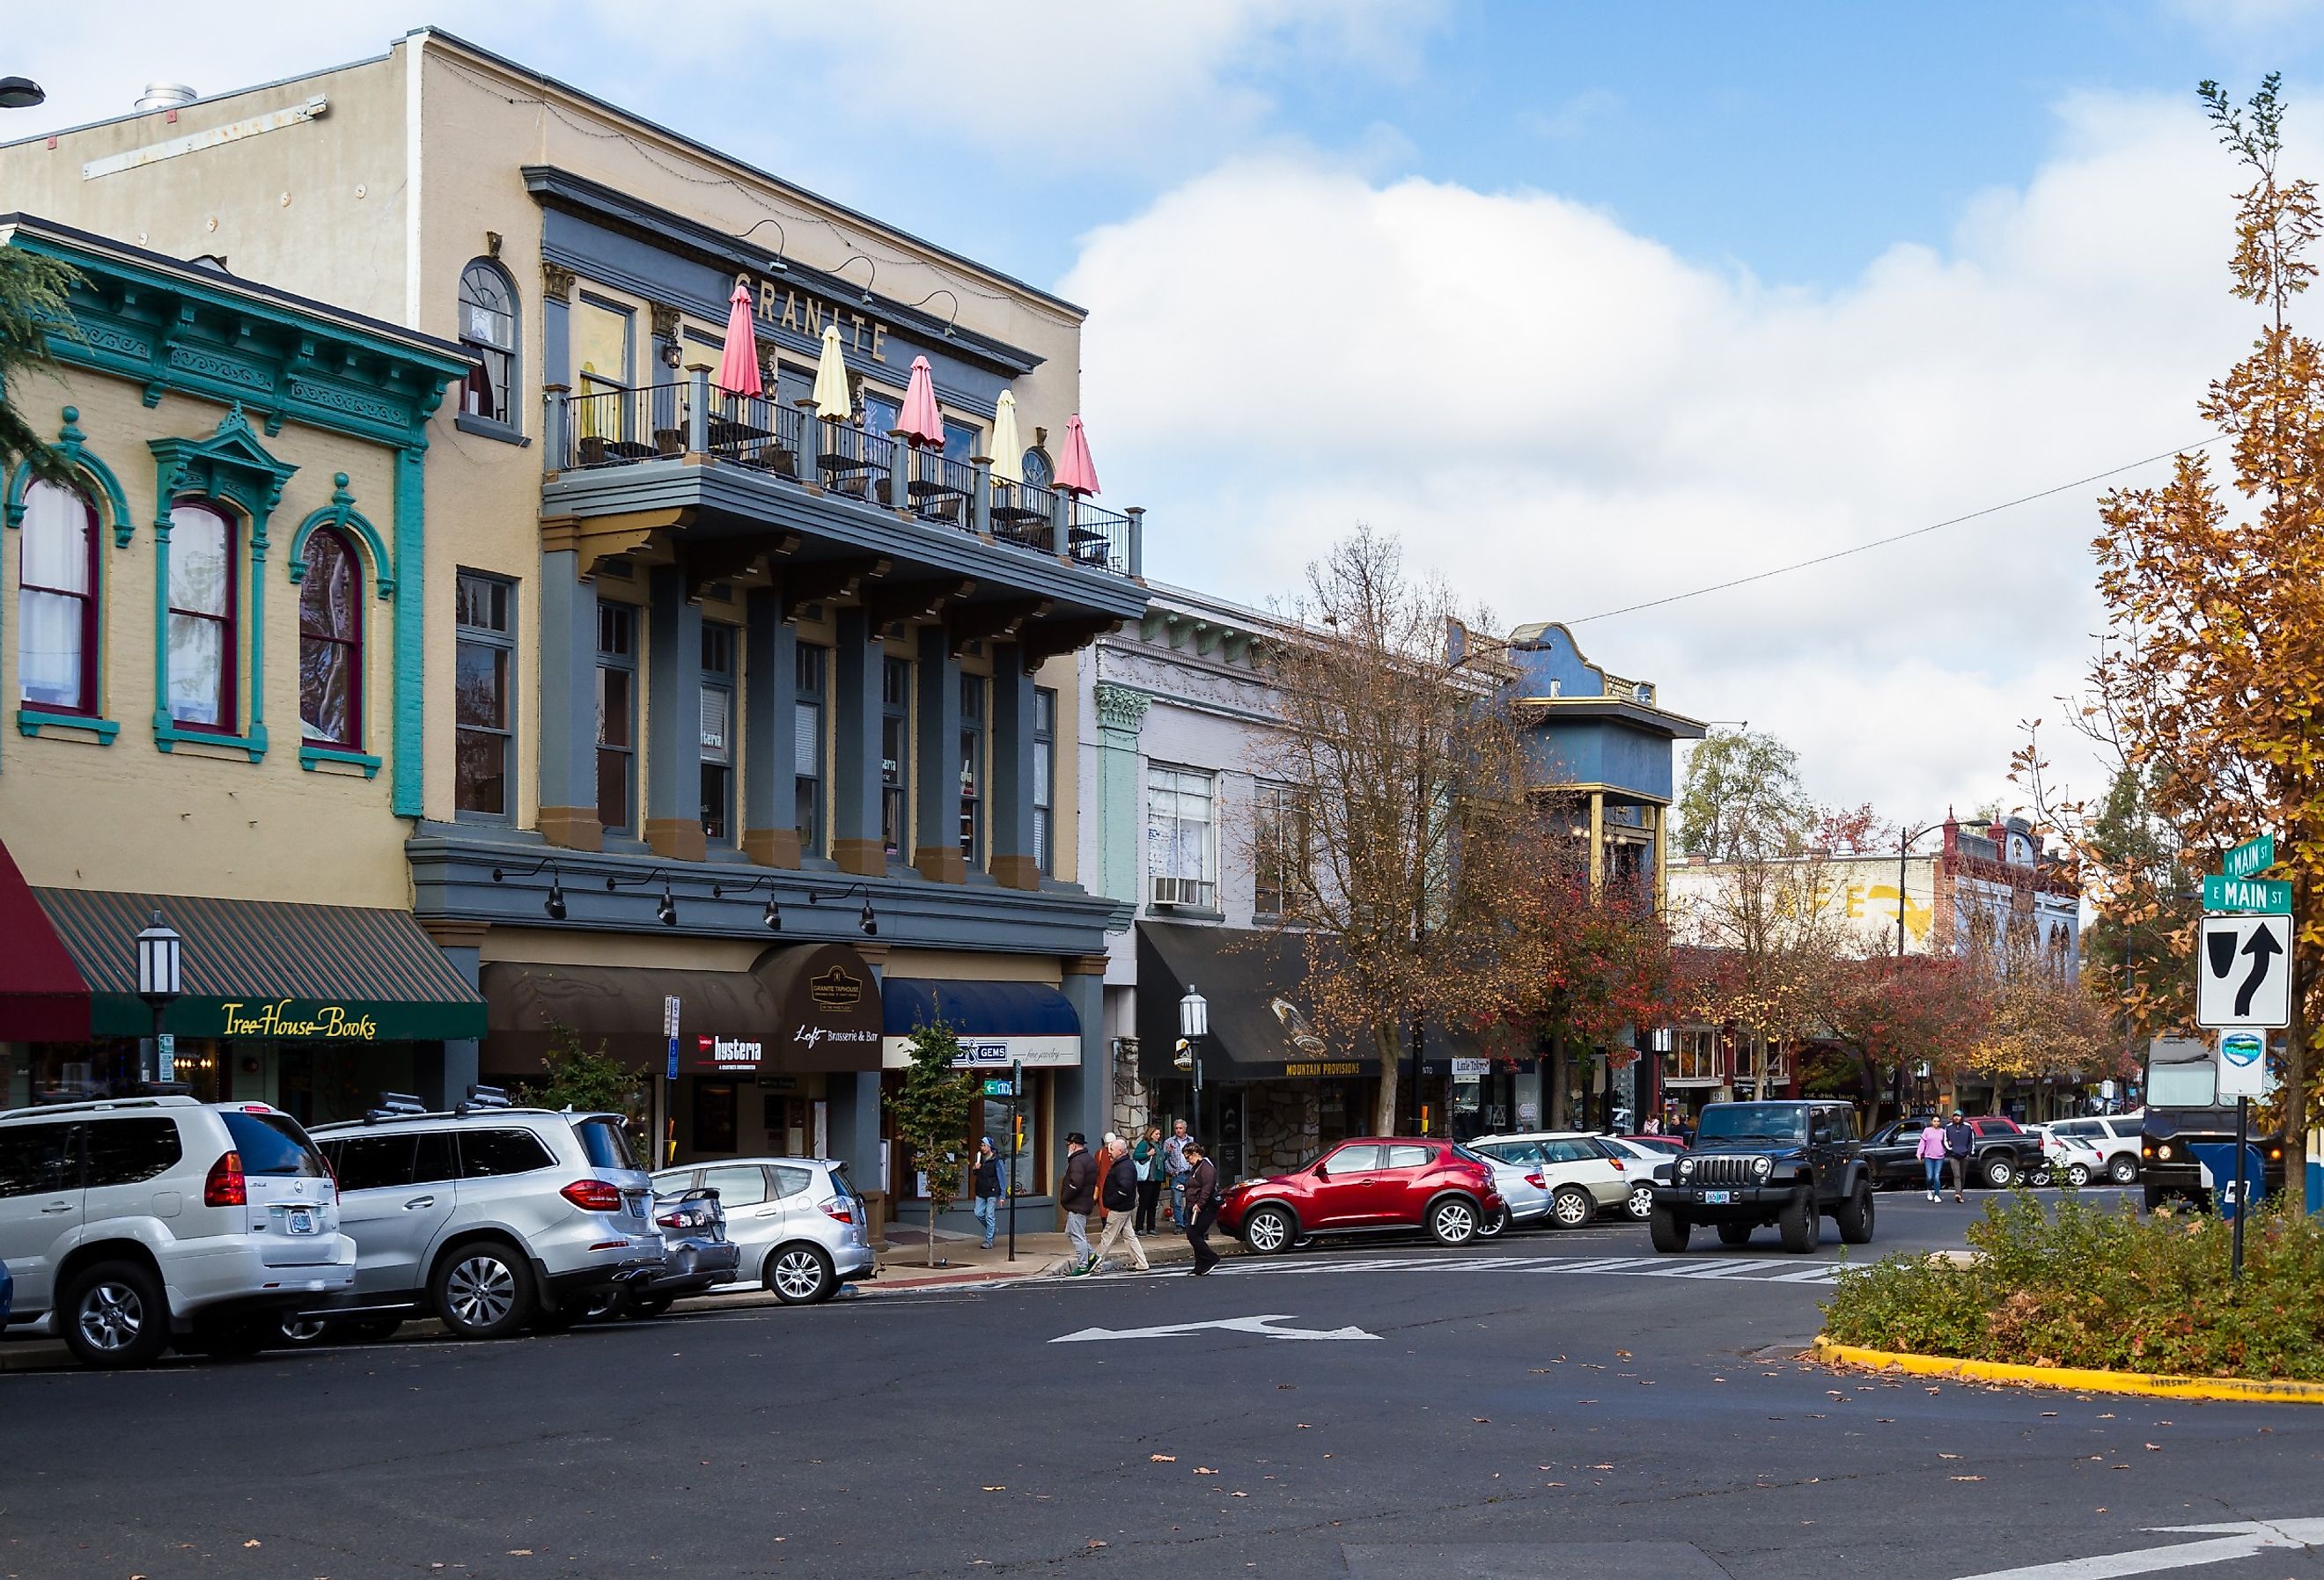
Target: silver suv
(489, 1217)
(129, 1222)
(801, 1228)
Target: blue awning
(977, 1008)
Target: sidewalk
(904, 1261)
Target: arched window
(330, 642)
(1039, 470)
(56, 601)
(488, 333)
(205, 648)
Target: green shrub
(2077, 1285)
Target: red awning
(42, 998)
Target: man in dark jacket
(1959, 1142)
(1119, 1193)
(1202, 1206)
(1077, 1194)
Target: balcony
(595, 437)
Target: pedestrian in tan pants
(1117, 1191)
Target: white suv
(130, 1222)
(489, 1217)
(2116, 1137)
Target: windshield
(606, 1146)
(2179, 1086)
(1753, 1122)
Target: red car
(1371, 1185)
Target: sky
(1588, 305)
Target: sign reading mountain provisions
(2227, 893)
(2243, 972)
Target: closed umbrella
(738, 365)
(1008, 449)
(831, 378)
(921, 422)
(1077, 473)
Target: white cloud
(1566, 417)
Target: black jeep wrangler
(1755, 1163)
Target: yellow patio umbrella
(831, 398)
(1008, 450)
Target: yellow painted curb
(2078, 1379)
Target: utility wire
(1899, 537)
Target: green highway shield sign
(2252, 857)
(2261, 894)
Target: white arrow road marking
(1257, 1324)
(2243, 1539)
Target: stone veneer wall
(1285, 1125)
(1132, 1112)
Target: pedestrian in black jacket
(1960, 1142)
(1120, 1193)
(1203, 1206)
(1077, 1194)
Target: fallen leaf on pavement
(1966, 1478)
(2156, 1448)
(1163, 1458)
(996, 1489)
(519, 1552)
(1948, 1456)
(1204, 1470)
(253, 1542)
(1482, 1420)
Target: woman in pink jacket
(1932, 1154)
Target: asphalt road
(1561, 1406)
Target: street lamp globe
(1193, 1014)
(159, 968)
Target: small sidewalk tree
(931, 1116)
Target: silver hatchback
(801, 1227)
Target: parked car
(696, 1256)
(798, 1225)
(2066, 1159)
(1525, 1199)
(1639, 1159)
(1371, 1185)
(2001, 1153)
(2116, 1137)
(1582, 1174)
(1787, 1163)
(488, 1217)
(130, 1223)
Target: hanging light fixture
(870, 923)
(553, 907)
(555, 904)
(666, 912)
(773, 917)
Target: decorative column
(854, 1117)
(1009, 805)
(770, 744)
(673, 732)
(936, 761)
(1120, 830)
(461, 943)
(567, 727)
(854, 790)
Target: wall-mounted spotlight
(873, 265)
(553, 906)
(867, 921)
(949, 322)
(771, 919)
(774, 266)
(666, 910)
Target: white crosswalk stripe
(1742, 1269)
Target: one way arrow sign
(2243, 972)
(1262, 1325)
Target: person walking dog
(1201, 1196)
(1931, 1153)
(1118, 1196)
(1146, 1157)
(1077, 1194)
(1959, 1142)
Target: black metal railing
(939, 488)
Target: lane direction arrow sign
(2243, 972)
(1262, 1325)
(2243, 1539)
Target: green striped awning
(268, 969)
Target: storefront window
(1694, 1052)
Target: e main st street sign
(2237, 885)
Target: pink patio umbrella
(738, 365)
(1077, 473)
(920, 420)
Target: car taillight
(594, 1196)
(225, 1187)
(839, 1211)
(1617, 1164)
(1538, 1182)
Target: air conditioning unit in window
(1173, 892)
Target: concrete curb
(2081, 1379)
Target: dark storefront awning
(256, 968)
(806, 1008)
(999, 1023)
(1261, 1029)
(42, 998)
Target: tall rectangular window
(1044, 779)
(971, 769)
(617, 716)
(484, 616)
(55, 600)
(895, 757)
(603, 354)
(718, 733)
(814, 667)
(1181, 855)
(1280, 857)
(205, 646)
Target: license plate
(1718, 1198)
(299, 1221)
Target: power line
(1899, 537)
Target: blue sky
(1683, 289)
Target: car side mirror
(1322, 1172)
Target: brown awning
(798, 1010)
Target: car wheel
(1668, 1230)
(1453, 1220)
(115, 1314)
(1998, 1171)
(1799, 1223)
(2123, 1169)
(1735, 1233)
(2078, 1175)
(1642, 1201)
(482, 1291)
(1571, 1207)
(1269, 1231)
(1854, 1217)
(296, 1332)
(1492, 1225)
(800, 1275)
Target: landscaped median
(2080, 1296)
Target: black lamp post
(1194, 1025)
(160, 982)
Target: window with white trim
(1181, 836)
